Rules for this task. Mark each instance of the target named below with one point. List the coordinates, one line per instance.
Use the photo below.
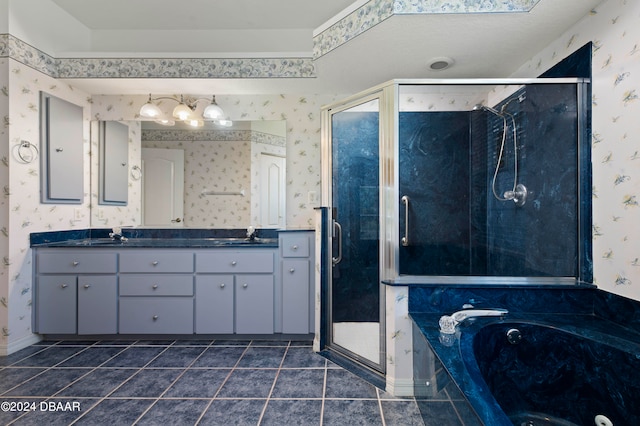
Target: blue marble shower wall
(448, 163)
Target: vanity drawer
(295, 245)
(76, 262)
(156, 260)
(156, 315)
(235, 261)
(156, 285)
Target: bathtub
(565, 370)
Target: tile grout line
(46, 369)
(273, 385)
(384, 423)
(324, 391)
(173, 382)
(100, 400)
(226, 379)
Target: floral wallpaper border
(213, 135)
(17, 49)
(364, 18)
(375, 11)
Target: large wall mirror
(214, 176)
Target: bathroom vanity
(174, 286)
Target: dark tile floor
(196, 382)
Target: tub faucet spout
(448, 322)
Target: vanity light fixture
(184, 111)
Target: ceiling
(402, 46)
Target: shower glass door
(355, 291)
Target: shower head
(480, 107)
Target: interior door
(272, 190)
(355, 291)
(163, 187)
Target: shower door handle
(405, 239)
(337, 230)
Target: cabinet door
(114, 159)
(254, 304)
(295, 296)
(63, 147)
(97, 304)
(56, 304)
(214, 304)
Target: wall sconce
(184, 111)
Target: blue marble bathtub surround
(618, 309)
(578, 358)
(544, 299)
(558, 375)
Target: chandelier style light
(185, 111)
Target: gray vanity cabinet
(156, 291)
(56, 308)
(62, 146)
(75, 292)
(235, 291)
(97, 304)
(254, 304)
(297, 290)
(215, 304)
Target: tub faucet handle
(447, 324)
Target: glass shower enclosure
(462, 181)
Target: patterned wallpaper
(613, 28)
(21, 211)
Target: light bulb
(213, 111)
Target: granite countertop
(157, 238)
(164, 243)
(455, 351)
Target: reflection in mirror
(233, 176)
(114, 163)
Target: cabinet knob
(59, 149)
(155, 317)
(154, 263)
(87, 285)
(155, 286)
(75, 263)
(64, 285)
(245, 285)
(234, 263)
(294, 247)
(222, 285)
(292, 270)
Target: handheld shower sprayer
(518, 194)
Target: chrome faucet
(116, 234)
(251, 233)
(448, 322)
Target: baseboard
(19, 344)
(400, 387)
